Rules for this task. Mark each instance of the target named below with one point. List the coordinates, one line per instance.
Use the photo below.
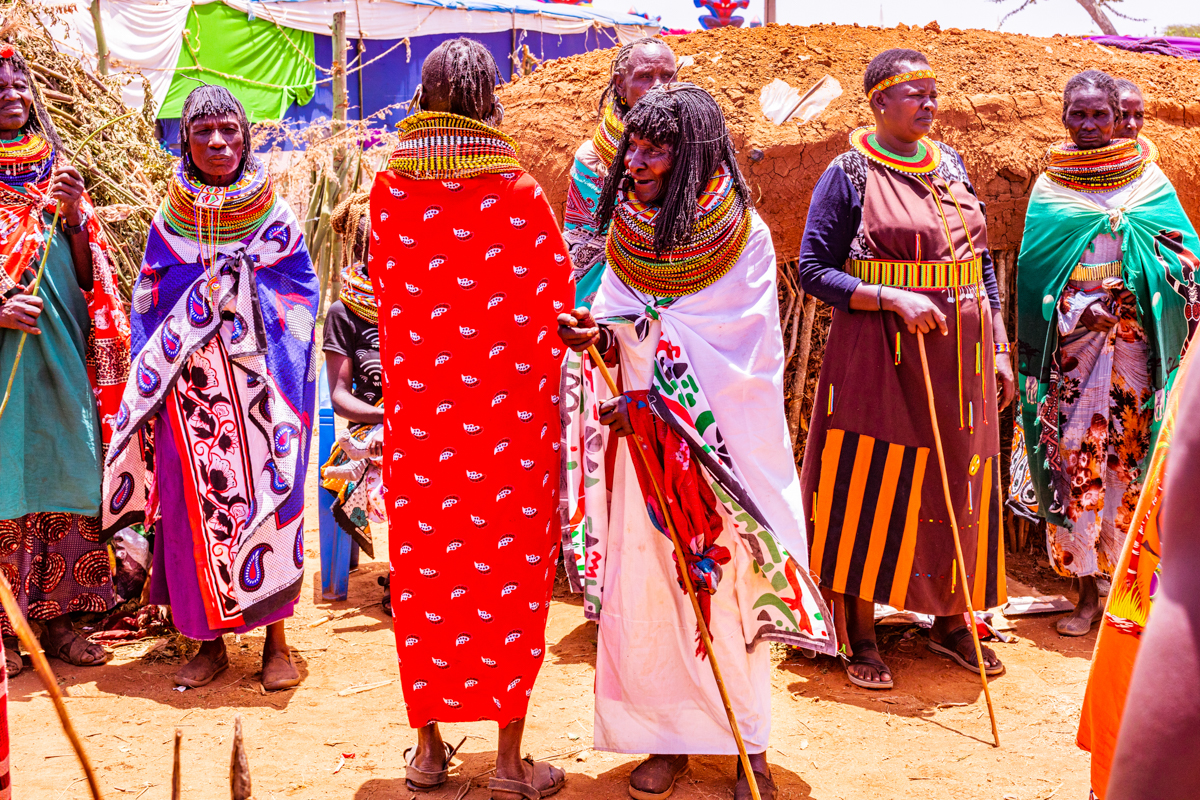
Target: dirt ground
(929, 738)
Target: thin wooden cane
(687, 584)
(37, 281)
(962, 567)
(30, 643)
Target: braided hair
(39, 121)
(1093, 79)
(687, 119)
(890, 63)
(352, 219)
(463, 73)
(618, 68)
(212, 101)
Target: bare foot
(207, 664)
(655, 777)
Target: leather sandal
(861, 650)
(948, 648)
(13, 663)
(429, 780)
(766, 786)
(544, 774)
(647, 794)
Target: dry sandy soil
(929, 738)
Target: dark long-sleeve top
(835, 221)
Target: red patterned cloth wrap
(22, 211)
(692, 508)
(470, 272)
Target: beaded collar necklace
(218, 215)
(722, 229)
(927, 159)
(358, 294)
(440, 146)
(1103, 169)
(608, 135)
(27, 159)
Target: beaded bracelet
(1004, 347)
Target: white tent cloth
(147, 35)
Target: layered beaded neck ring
(29, 158)
(1104, 169)
(608, 135)
(436, 145)
(927, 158)
(722, 230)
(218, 215)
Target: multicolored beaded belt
(1097, 272)
(919, 275)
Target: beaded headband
(903, 77)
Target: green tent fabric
(1059, 224)
(275, 66)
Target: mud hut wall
(1000, 108)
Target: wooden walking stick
(30, 643)
(687, 584)
(962, 567)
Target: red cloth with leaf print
(470, 275)
(693, 504)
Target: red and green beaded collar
(436, 145)
(927, 158)
(219, 214)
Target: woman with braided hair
(688, 318)
(350, 341)
(896, 242)
(470, 270)
(639, 66)
(223, 380)
(66, 388)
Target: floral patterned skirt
(56, 564)
(1104, 395)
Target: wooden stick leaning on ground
(42, 667)
(687, 584)
(37, 281)
(962, 567)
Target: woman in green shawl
(1103, 318)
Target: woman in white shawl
(688, 319)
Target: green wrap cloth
(50, 431)
(275, 65)
(1059, 225)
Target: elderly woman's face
(216, 145)
(648, 66)
(1089, 118)
(906, 111)
(649, 167)
(1133, 116)
(16, 98)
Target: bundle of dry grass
(125, 168)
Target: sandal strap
(526, 790)
(955, 638)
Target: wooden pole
(687, 584)
(42, 667)
(770, 13)
(101, 40)
(962, 567)
(176, 774)
(801, 376)
(239, 766)
(340, 104)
